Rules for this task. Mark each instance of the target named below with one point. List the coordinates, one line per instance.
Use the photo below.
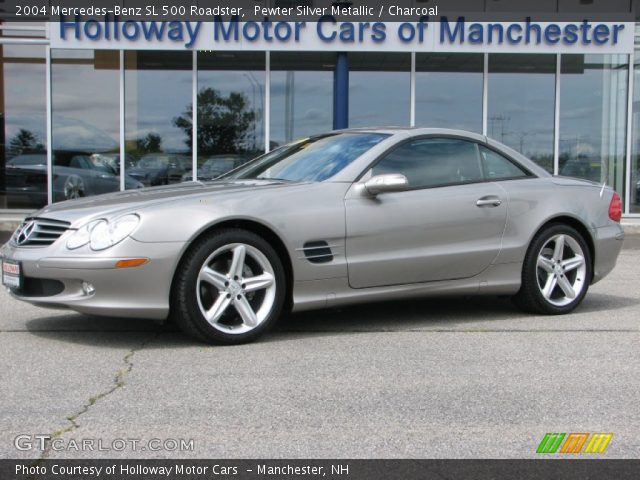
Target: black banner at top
(312, 10)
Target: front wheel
(556, 272)
(230, 288)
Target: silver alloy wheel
(236, 288)
(73, 187)
(561, 270)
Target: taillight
(615, 208)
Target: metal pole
(485, 93)
(629, 150)
(194, 115)
(412, 111)
(49, 126)
(123, 163)
(341, 92)
(267, 102)
(556, 119)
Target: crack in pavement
(118, 382)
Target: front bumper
(136, 292)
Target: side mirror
(389, 182)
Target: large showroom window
(85, 122)
(301, 95)
(634, 194)
(449, 91)
(231, 98)
(593, 109)
(23, 154)
(157, 108)
(521, 104)
(379, 89)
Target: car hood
(80, 210)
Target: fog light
(88, 289)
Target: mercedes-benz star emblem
(25, 232)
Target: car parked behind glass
(75, 174)
(215, 166)
(160, 168)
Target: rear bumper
(137, 292)
(608, 243)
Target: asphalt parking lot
(456, 377)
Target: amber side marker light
(131, 262)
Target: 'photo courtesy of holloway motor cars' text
(319, 239)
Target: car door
(447, 225)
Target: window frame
(528, 173)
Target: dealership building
(89, 107)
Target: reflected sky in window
(379, 89)
(301, 95)
(593, 117)
(449, 91)
(521, 104)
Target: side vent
(317, 252)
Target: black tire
(185, 307)
(530, 297)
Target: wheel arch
(576, 224)
(253, 226)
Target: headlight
(101, 234)
(82, 235)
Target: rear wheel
(230, 288)
(556, 272)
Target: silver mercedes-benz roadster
(351, 216)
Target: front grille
(38, 232)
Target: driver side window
(433, 162)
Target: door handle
(488, 202)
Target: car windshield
(311, 159)
(153, 162)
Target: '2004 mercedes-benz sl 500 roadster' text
(345, 217)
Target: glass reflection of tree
(24, 141)
(151, 143)
(223, 122)
(255, 87)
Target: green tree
(24, 141)
(223, 122)
(152, 143)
